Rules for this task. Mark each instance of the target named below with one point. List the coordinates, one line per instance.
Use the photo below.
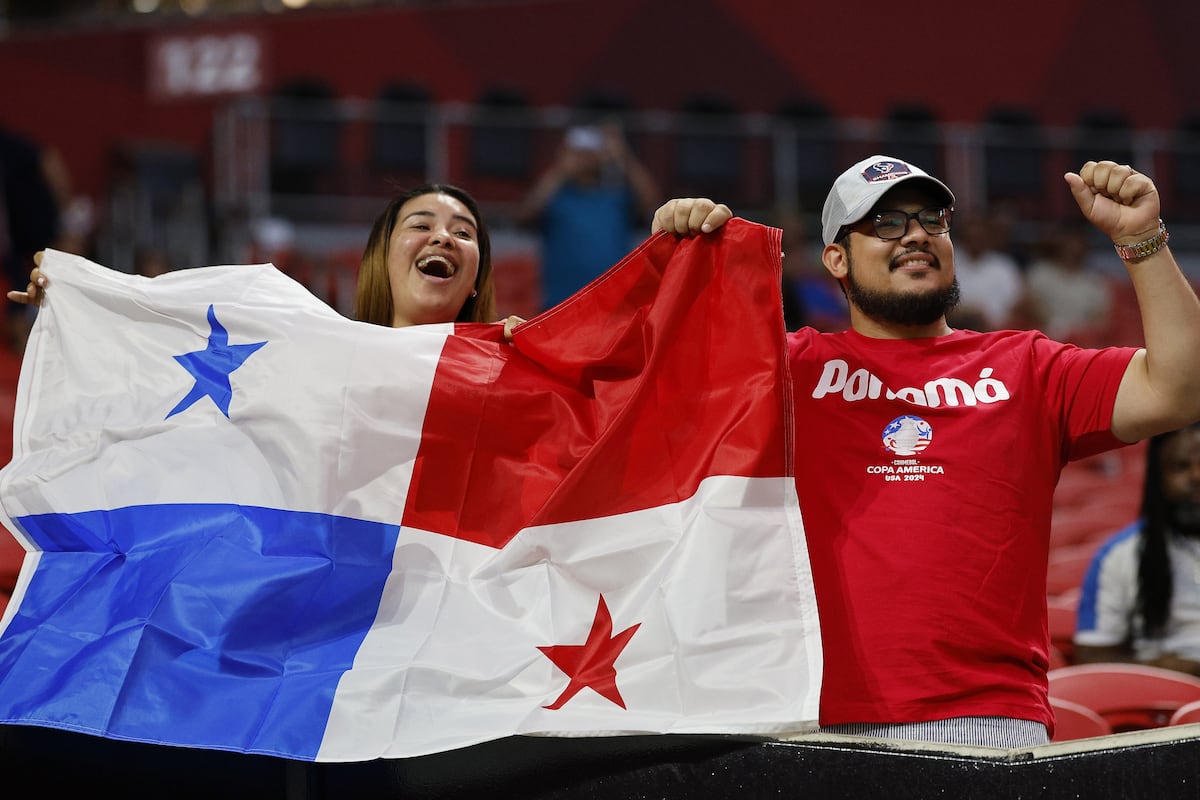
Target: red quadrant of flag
(610, 413)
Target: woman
(428, 259)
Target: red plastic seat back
(1129, 696)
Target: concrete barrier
(1163, 763)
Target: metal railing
(336, 163)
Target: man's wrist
(1146, 247)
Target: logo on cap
(886, 171)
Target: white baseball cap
(858, 189)
(585, 137)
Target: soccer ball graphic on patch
(907, 435)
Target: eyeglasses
(894, 224)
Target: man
(585, 206)
(1141, 598)
(926, 457)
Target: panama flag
(254, 525)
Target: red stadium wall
(84, 92)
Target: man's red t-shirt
(926, 471)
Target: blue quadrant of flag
(236, 623)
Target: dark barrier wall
(1153, 764)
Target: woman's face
(1181, 479)
(432, 260)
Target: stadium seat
(501, 144)
(1067, 567)
(1075, 721)
(913, 132)
(306, 135)
(399, 135)
(599, 104)
(1186, 714)
(709, 148)
(1097, 496)
(1185, 172)
(1129, 696)
(1103, 133)
(1014, 158)
(1079, 487)
(817, 149)
(1060, 618)
(1081, 527)
(1058, 658)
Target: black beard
(1185, 518)
(902, 308)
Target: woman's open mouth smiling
(436, 266)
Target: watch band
(1146, 247)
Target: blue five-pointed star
(211, 367)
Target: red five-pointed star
(591, 663)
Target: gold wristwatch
(1146, 247)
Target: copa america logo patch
(907, 435)
(886, 171)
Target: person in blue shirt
(589, 207)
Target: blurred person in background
(990, 280)
(30, 219)
(810, 294)
(1066, 299)
(588, 208)
(150, 262)
(1141, 597)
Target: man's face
(1180, 463)
(582, 163)
(905, 281)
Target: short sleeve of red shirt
(1083, 383)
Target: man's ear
(835, 260)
